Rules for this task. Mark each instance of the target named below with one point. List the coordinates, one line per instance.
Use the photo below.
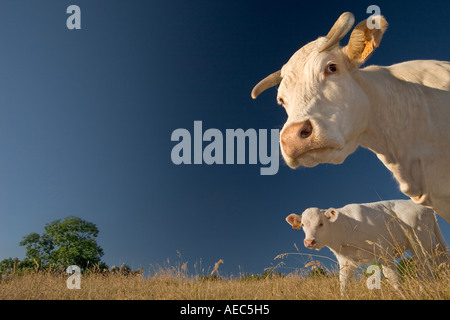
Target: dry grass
(178, 283)
(175, 284)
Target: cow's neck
(396, 118)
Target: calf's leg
(345, 273)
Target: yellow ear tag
(368, 49)
(296, 225)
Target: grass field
(175, 284)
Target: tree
(9, 266)
(38, 250)
(67, 242)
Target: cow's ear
(294, 220)
(365, 38)
(331, 214)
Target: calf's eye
(320, 224)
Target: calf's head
(317, 225)
(327, 109)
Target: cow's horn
(266, 83)
(340, 28)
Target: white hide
(359, 233)
(400, 112)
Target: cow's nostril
(305, 134)
(306, 130)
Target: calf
(360, 233)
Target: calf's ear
(294, 220)
(365, 38)
(331, 214)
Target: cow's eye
(320, 224)
(331, 68)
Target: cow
(400, 112)
(384, 230)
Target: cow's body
(409, 127)
(359, 233)
(401, 112)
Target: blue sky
(86, 118)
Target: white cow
(359, 233)
(400, 112)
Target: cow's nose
(295, 139)
(309, 242)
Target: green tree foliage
(67, 242)
(8, 266)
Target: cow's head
(316, 223)
(327, 109)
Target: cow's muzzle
(309, 243)
(296, 139)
